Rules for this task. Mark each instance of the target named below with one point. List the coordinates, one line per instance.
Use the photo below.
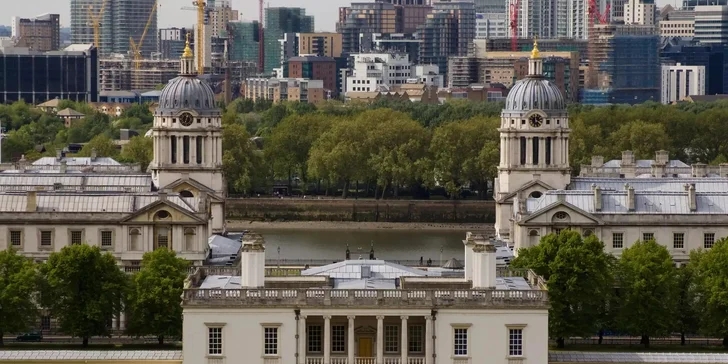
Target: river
(393, 245)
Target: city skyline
(171, 14)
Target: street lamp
(279, 257)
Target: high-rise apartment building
(691, 4)
(220, 15)
(491, 6)
(711, 56)
(318, 44)
(378, 71)
(448, 31)
(711, 24)
(639, 12)
(120, 21)
(245, 40)
(42, 33)
(680, 81)
(171, 42)
(555, 18)
(491, 25)
(677, 23)
(279, 21)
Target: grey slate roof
(646, 163)
(597, 357)
(665, 184)
(89, 202)
(75, 181)
(43, 355)
(77, 161)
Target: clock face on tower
(535, 120)
(186, 119)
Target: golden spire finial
(188, 50)
(534, 52)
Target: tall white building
(491, 26)
(711, 24)
(639, 12)
(365, 311)
(554, 18)
(429, 75)
(680, 81)
(378, 71)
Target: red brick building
(314, 68)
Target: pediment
(189, 184)
(548, 216)
(176, 214)
(365, 330)
(527, 189)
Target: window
(617, 240)
(214, 341)
(76, 237)
(338, 338)
(190, 239)
(107, 238)
(199, 148)
(523, 149)
(461, 342)
(134, 236)
(45, 322)
(270, 341)
(548, 147)
(314, 339)
(173, 149)
(708, 240)
(515, 342)
(415, 338)
(162, 235)
(648, 236)
(678, 240)
(16, 238)
(535, 145)
(391, 339)
(46, 238)
(186, 149)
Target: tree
(579, 278)
(83, 288)
(154, 302)
(712, 280)
(140, 149)
(640, 137)
(290, 143)
(18, 278)
(687, 319)
(648, 289)
(241, 161)
(103, 146)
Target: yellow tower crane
(201, 8)
(136, 48)
(96, 22)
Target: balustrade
(367, 360)
(338, 360)
(416, 360)
(314, 360)
(215, 360)
(392, 360)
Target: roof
(665, 184)
(51, 103)
(311, 59)
(58, 355)
(646, 163)
(89, 202)
(223, 247)
(597, 357)
(707, 98)
(69, 112)
(77, 161)
(79, 48)
(80, 181)
(118, 94)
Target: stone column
(302, 339)
(428, 340)
(404, 340)
(350, 340)
(193, 149)
(327, 339)
(541, 151)
(380, 339)
(529, 150)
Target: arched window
(533, 237)
(185, 193)
(162, 215)
(588, 232)
(535, 146)
(135, 237)
(523, 151)
(561, 217)
(535, 194)
(190, 235)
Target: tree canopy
(18, 287)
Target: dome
(533, 93)
(187, 92)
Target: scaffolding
(118, 74)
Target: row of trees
(84, 288)
(640, 294)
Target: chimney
(630, 197)
(202, 203)
(59, 154)
(658, 170)
(691, 198)
(597, 161)
(700, 170)
(93, 154)
(484, 267)
(469, 243)
(560, 196)
(627, 169)
(64, 166)
(252, 261)
(723, 170)
(662, 157)
(627, 158)
(31, 199)
(163, 195)
(597, 198)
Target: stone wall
(269, 209)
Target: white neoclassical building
(62, 201)
(365, 312)
(621, 201)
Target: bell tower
(534, 134)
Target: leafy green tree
(712, 279)
(687, 319)
(140, 149)
(154, 302)
(242, 162)
(648, 289)
(641, 137)
(579, 278)
(83, 288)
(102, 144)
(290, 143)
(18, 288)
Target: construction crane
(261, 48)
(202, 9)
(96, 22)
(513, 8)
(136, 48)
(594, 15)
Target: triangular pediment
(365, 330)
(576, 215)
(535, 185)
(193, 186)
(177, 214)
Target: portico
(360, 338)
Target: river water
(393, 245)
